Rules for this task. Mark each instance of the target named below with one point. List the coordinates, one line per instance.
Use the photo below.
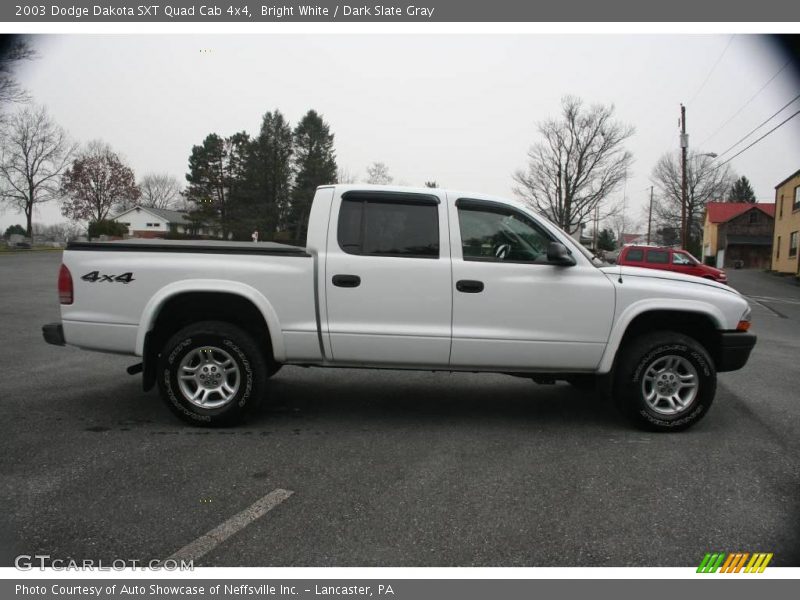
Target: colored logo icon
(734, 562)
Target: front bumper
(54, 334)
(734, 350)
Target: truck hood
(625, 271)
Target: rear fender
(158, 300)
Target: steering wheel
(501, 251)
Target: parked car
(400, 278)
(669, 259)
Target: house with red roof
(738, 233)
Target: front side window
(377, 225)
(681, 259)
(495, 233)
(658, 257)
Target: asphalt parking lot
(391, 468)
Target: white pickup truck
(401, 278)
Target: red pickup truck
(669, 259)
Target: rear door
(388, 279)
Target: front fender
(649, 305)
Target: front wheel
(665, 381)
(211, 374)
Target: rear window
(659, 257)
(635, 254)
(379, 226)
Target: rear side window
(385, 224)
(659, 257)
(635, 254)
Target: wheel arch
(697, 320)
(182, 303)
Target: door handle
(346, 281)
(469, 286)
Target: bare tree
(60, 232)
(96, 182)
(160, 190)
(620, 223)
(343, 175)
(13, 50)
(704, 182)
(578, 164)
(34, 151)
(378, 173)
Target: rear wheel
(665, 381)
(211, 374)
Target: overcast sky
(458, 109)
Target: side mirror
(557, 254)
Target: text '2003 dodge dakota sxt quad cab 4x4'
(401, 278)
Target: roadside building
(635, 239)
(145, 222)
(787, 225)
(738, 234)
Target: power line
(779, 125)
(713, 68)
(759, 127)
(746, 104)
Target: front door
(511, 309)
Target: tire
(224, 370)
(664, 381)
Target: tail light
(65, 285)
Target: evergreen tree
(267, 192)
(742, 191)
(14, 230)
(315, 165)
(605, 240)
(216, 173)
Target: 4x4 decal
(95, 276)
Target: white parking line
(207, 542)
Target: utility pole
(650, 215)
(596, 225)
(684, 199)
